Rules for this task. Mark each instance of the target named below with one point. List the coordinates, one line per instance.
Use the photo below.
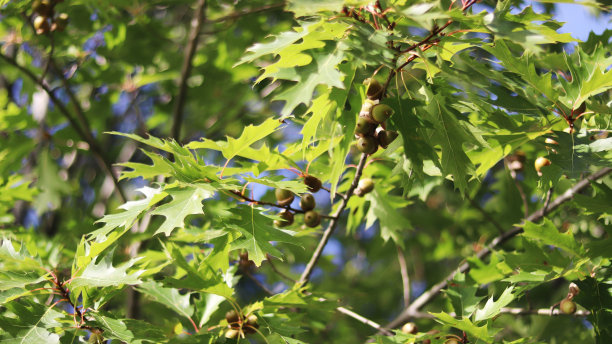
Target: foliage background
(153, 254)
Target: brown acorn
(41, 24)
(374, 90)
(540, 163)
(385, 137)
(233, 318)
(251, 324)
(287, 219)
(314, 184)
(60, 22)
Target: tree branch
(194, 36)
(405, 277)
(364, 320)
(429, 295)
(104, 163)
(512, 311)
(333, 223)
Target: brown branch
(194, 35)
(429, 295)
(104, 163)
(512, 311)
(281, 274)
(364, 320)
(405, 277)
(239, 14)
(333, 223)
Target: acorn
(550, 141)
(568, 306)
(232, 333)
(540, 163)
(41, 24)
(312, 218)
(367, 144)
(365, 185)
(381, 112)
(314, 184)
(385, 137)
(287, 219)
(307, 202)
(283, 197)
(60, 22)
(374, 90)
(251, 322)
(365, 127)
(410, 328)
(232, 317)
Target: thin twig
(548, 197)
(429, 295)
(341, 195)
(364, 320)
(86, 136)
(405, 277)
(333, 223)
(48, 62)
(270, 204)
(281, 274)
(194, 36)
(259, 284)
(512, 311)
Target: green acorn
(367, 144)
(307, 202)
(232, 333)
(365, 127)
(568, 306)
(284, 197)
(381, 112)
(365, 186)
(312, 218)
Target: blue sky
(579, 21)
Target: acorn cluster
(44, 18)
(367, 131)
(239, 325)
(307, 203)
